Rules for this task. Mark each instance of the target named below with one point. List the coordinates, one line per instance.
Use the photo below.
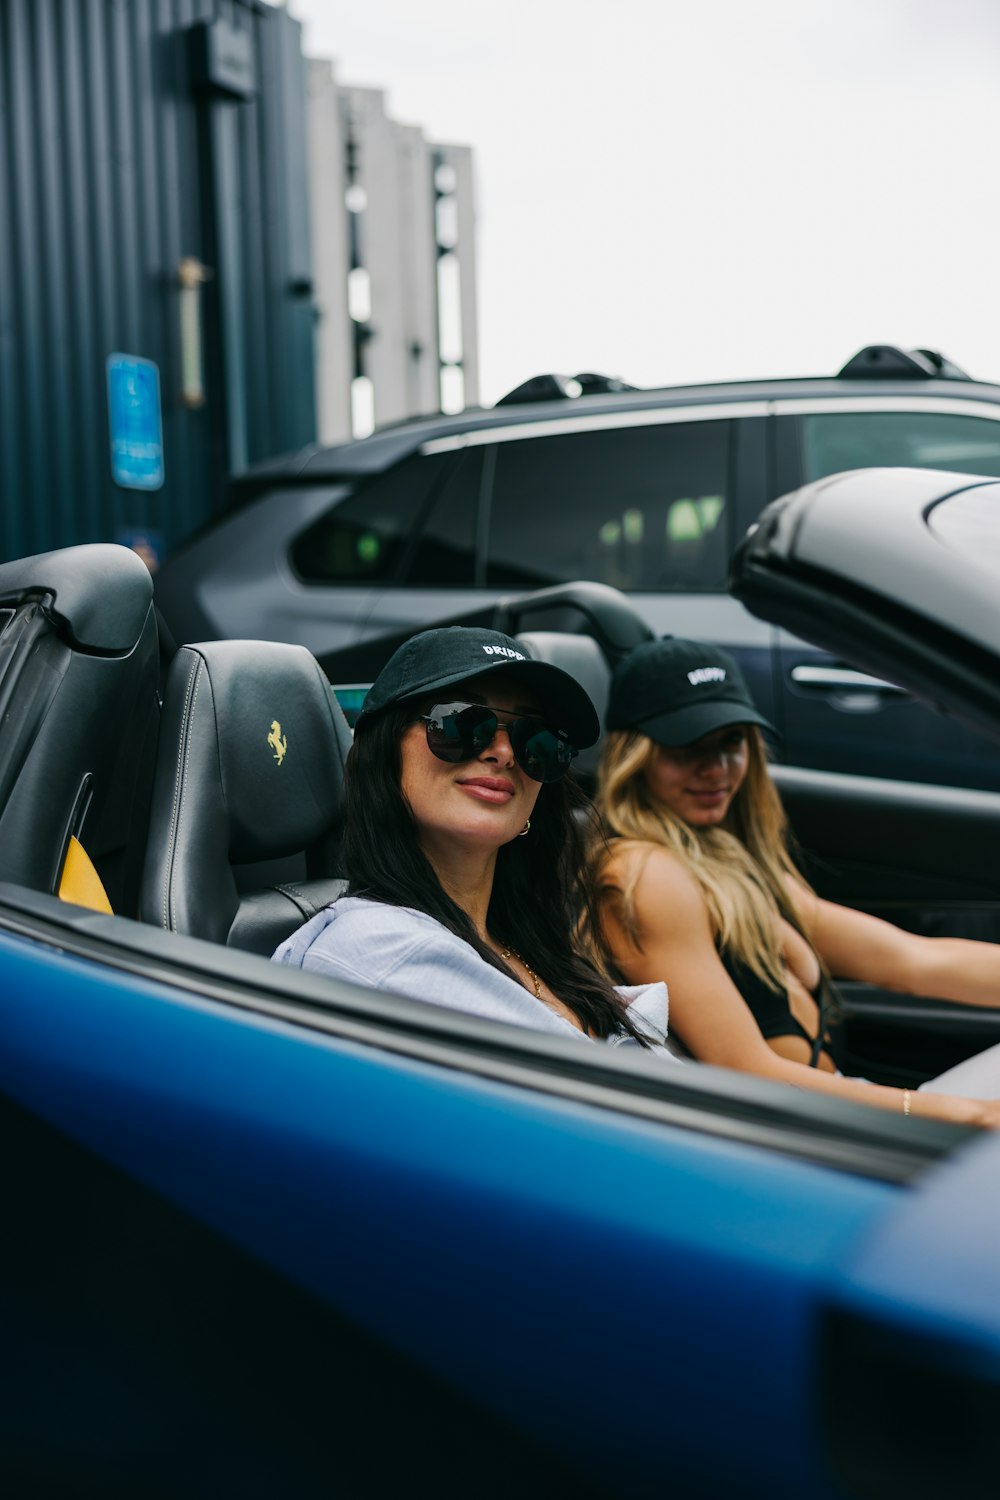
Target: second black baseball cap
(675, 691)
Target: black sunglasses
(461, 731)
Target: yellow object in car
(79, 883)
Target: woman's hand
(929, 1105)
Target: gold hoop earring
(525, 829)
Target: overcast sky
(682, 192)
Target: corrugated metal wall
(115, 164)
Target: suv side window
(640, 508)
(833, 441)
(415, 523)
(442, 552)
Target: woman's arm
(854, 945)
(707, 1011)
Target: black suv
(645, 490)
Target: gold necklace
(508, 953)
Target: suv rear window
(640, 508)
(416, 521)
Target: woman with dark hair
(462, 853)
(697, 887)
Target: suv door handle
(841, 680)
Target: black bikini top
(772, 1011)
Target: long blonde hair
(740, 866)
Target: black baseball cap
(442, 658)
(675, 691)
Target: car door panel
(915, 1397)
(923, 858)
(164, 1348)
(862, 726)
(527, 1221)
(905, 1040)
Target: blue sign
(136, 425)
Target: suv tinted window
(416, 521)
(442, 553)
(833, 441)
(636, 507)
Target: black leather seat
(243, 834)
(78, 717)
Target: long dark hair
(540, 885)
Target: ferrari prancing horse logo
(277, 741)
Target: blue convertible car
(268, 1235)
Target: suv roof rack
(886, 362)
(564, 388)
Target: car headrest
(582, 658)
(94, 616)
(274, 719)
(79, 719)
(252, 749)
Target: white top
(406, 952)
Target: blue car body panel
(549, 1258)
(953, 1222)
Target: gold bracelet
(906, 1103)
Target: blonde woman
(697, 888)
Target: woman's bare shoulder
(650, 869)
